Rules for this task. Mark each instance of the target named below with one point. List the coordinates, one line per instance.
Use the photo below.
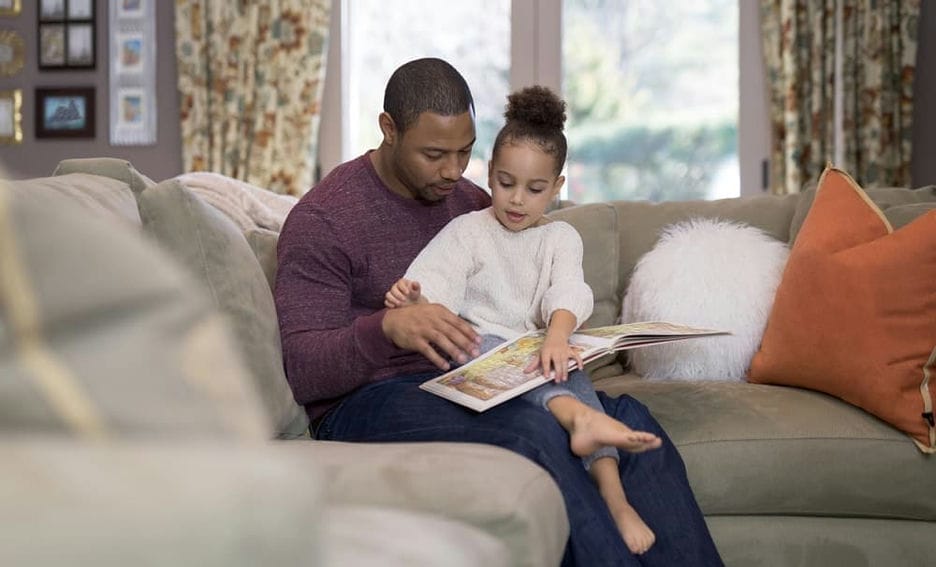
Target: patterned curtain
(799, 52)
(250, 77)
(878, 41)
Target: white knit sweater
(503, 282)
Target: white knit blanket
(247, 205)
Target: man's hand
(404, 292)
(425, 327)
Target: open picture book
(497, 375)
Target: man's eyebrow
(467, 146)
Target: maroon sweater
(341, 248)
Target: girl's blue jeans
(578, 386)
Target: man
(357, 366)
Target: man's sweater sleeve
(327, 353)
(567, 287)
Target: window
(636, 73)
(652, 93)
(472, 36)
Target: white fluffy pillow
(705, 273)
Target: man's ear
(388, 128)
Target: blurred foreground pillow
(102, 335)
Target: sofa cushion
(854, 313)
(901, 215)
(144, 503)
(706, 273)
(263, 243)
(369, 535)
(118, 169)
(753, 449)
(781, 541)
(213, 249)
(102, 335)
(597, 224)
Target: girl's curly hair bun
(536, 106)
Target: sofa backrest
(213, 250)
(104, 197)
(119, 169)
(616, 234)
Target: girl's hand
(554, 358)
(404, 292)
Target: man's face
(430, 156)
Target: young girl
(507, 269)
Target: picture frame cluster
(66, 40)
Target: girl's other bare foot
(637, 535)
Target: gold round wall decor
(12, 53)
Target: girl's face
(522, 184)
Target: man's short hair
(423, 85)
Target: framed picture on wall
(132, 104)
(66, 112)
(12, 53)
(129, 52)
(11, 117)
(66, 34)
(80, 9)
(80, 43)
(51, 10)
(10, 7)
(51, 46)
(131, 8)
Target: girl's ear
(491, 174)
(557, 185)
(388, 128)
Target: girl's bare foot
(637, 535)
(591, 430)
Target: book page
(497, 375)
(646, 333)
(645, 328)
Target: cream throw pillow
(705, 273)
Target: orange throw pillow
(855, 312)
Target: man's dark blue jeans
(396, 410)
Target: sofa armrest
(484, 486)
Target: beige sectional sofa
(136, 420)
